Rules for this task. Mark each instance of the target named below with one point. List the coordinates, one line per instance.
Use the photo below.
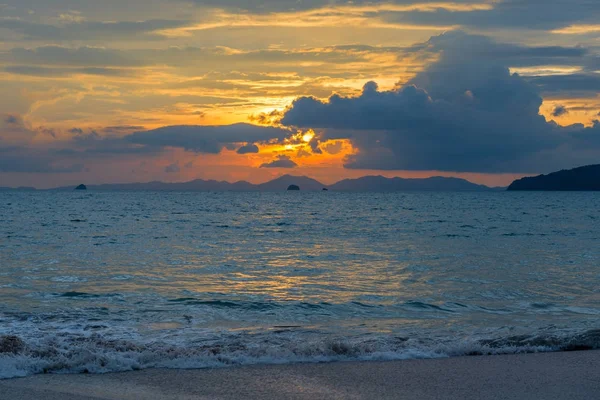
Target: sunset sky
(141, 90)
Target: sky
(172, 90)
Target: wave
(95, 353)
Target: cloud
(173, 168)
(12, 119)
(92, 143)
(574, 85)
(206, 139)
(26, 160)
(464, 113)
(60, 72)
(85, 56)
(282, 161)
(314, 144)
(122, 128)
(14, 131)
(487, 49)
(333, 147)
(91, 30)
(269, 118)
(261, 5)
(206, 60)
(248, 149)
(19, 154)
(329, 8)
(303, 153)
(559, 111)
(524, 14)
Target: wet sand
(573, 375)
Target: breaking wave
(94, 353)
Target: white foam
(77, 351)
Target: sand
(574, 375)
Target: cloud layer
(281, 161)
(465, 112)
(163, 89)
(207, 139)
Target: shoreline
(559, 375)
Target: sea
(97, 282)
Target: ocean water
(101, 282)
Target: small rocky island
(81, 187)
(579, 179)
(293, 187)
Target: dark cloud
(282, 161)
(13, 129)
(525, 14)
(59, 72)
(458, 43)
(575, 85)
(269, 118)
(463, 113)
(268, 6)
(559, 111)
(303, 153)
(122, 129)
(333, 147)
(173, 168)
(26, 160)
(207, 60)
(93, 143)
(91, 138)
(206, 139)
(12, 119)
(74, 57)
(109, 143)
(248, 149)
(314, 145)
(91, 30)
(47, 131)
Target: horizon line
(250, 183)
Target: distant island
(283, 183)
(578, 179)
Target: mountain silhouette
(577, 179)
(306, 184)
(285, 181)
(383, 184)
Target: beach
(565, 375)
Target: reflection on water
(260, 275)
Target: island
(293, 187)
(81, 187)
(363, 184)
(585, 178)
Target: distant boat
(293, 187)
(81, 187)
(325, 189)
